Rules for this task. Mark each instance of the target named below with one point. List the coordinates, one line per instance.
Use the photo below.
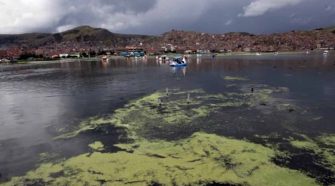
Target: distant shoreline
(229, 54)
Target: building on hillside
(3, 54)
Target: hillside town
(89, 42)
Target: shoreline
(98, 58)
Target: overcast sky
(159, 16)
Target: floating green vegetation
(162, 111)
(327, 140)
(322, 146)
(305, 142)
(231, 78)
(308, 145)
(197, 160)
(97, 146)
(87, 125)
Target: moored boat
(104, 59)
(325, 52)
(178, 62)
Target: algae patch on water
(162, 113)
(322, 146)
(200, 159)
(97, 146)
(327, 140)
(150, 158)
(231, 78)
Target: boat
(104, 59)
(178, 62)
(325, 52)
(4, 60)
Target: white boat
(326, 52)
(178, 62)
(104, 59)
(4, 60)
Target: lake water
(38, 101)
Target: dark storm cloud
(228, 17)
(98, 12)
(158, 16)
(111, 6)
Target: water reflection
(198, 60)
(178, 72)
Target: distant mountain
(329, 29)
(78, 34)
(89, 34)
(88, 37)
(31, 39)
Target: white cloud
(64, 28)
(19, 16)
(260, 7)
(27, 15)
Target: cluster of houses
(177, 42)
(67, 50)
(245, 42)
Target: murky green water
(243, 120)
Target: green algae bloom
(202, 158)
(327, 140)
(97, 146)
(86, 125)
(162, 111)
(198, 159)
(231, 78)
(308, 145)
(322, 146)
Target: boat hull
(178, 65)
